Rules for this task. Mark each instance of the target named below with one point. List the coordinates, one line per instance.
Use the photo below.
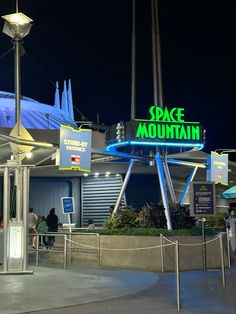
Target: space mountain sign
(168, 125)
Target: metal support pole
(25, 216)
(126, 180)
(169, 182)
(222, 261)
(133, 72)
(17, 82)
(228, 247)
(177, 275)
(162, 253)
(163, 190)
(69, 248)
(158, 52)
(65, 252)
(98, 249)
(37, 251)
(18, 187)
(6, 216)
(190, 179)
(203, 220)
(154, 53)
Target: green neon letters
(166, 115)
(171, 131)
(168, 124)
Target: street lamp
(15, 232)
(17, 26)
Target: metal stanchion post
(177, 275)
(37, 250)
(228, 247)
(162, 253)
(65, 251)
(98, 250)
(203, 220)
(222, 261)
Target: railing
(66, 248)
(169, 243)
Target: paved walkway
(102, 291)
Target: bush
(152, 215)
(181, 219)
(128, 218)
(138, 231)
(217, 221)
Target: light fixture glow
(199, 146)
(108, 173)
(85, 174)
(29, 155)
(17, 25)
(17, 18)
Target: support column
(163, 190)
(25, 216)
(126, 180)
(190, 179)
(6, 216)
(18, 185)
(169, 182)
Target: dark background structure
(89, 42)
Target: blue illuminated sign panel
(75, 149)
(67, 204)
(217, 168)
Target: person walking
(32, 221)
(52, 222)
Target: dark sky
(89, 42)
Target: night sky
(89, 42)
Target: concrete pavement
(102, 291)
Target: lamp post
(15, 248)
(17, 26)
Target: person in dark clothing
(52, 222)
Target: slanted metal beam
(122, 191)
(163, 190)
(169, 182)
(190, 179)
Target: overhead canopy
(230, 193)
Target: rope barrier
(171, 243)
(128, 249)
(168, 239)
(201, 243)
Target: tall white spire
(57, 98)
(64, 101)
(70, 101)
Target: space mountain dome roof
(36, 115)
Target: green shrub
(152, 215)
(128, 218)
(217, 221)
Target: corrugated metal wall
(45, 194)
(98, 193)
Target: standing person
(32, 221)
(230, 224)
(52, 222)
(42, 227)
(91, 225)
